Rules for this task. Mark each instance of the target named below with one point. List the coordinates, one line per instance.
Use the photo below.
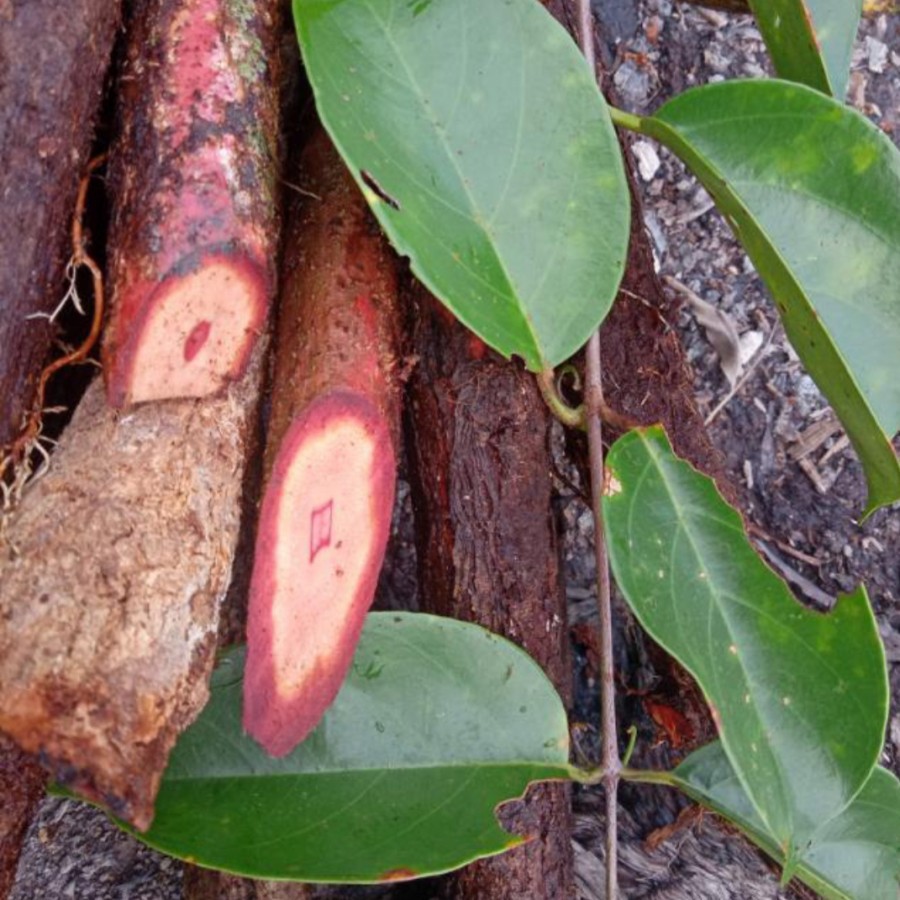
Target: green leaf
(800, 698)
(855, 856)
(812, 189)
(811, 41)
(437, 723)
(479, 137)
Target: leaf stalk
(570, 416)
(626, 120)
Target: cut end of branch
(195, 332)
(323, 531)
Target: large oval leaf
(437, 723)
(855, 856)
(810, 41)
(800, 698)
(812, 189)
(480, 139)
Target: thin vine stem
(570, 416)
(593, 403)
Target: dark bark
(21, 788)
(487, 554)
(53, 60)
(646, 375)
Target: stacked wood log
(53, 62)
(330, 456)
(114, 566)
(192, 256)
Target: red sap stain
(196, 339)
(400, 874)
(320, 528)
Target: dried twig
(751, 368)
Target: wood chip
(814, 437)
(719, 328)
(810, 590)
(822, 481)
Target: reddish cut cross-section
(323, 530)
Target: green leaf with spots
(437, 723)
(855, 856)
(479, 137)
(800, 698)
(810, 41)
(812, 190)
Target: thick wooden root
(110, 580)
(487, 554)
(193, 175)
(330, 457)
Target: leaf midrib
(745, 218)
(562, 768)
(475, 216)
(650, 449)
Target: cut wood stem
(594, 403)
(330, 456)
(190, 270)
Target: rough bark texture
(487, 553)
(335, 373)
(338, 323)
(111, 574)
(193, 178)
(53, 58)
(21, 789)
